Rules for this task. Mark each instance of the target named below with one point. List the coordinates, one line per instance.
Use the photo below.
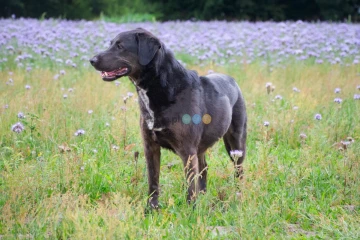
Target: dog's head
(127, 54)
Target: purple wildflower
(266, 123)
(68, 62)
(302, 136)
(65, 96)
(21, 115)
(318, 116)
(278, 97)
(62, 72)
(236, 154)
(345, 143)
(27, 87)
(79, 132)
(90, 111)
(10, 82)
(337, 90)
(295, 89)
(337, 100)
(357, 96)
(17, 127)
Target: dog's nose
(94, 60)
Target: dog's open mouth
(110, 76)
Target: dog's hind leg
(234, 141)
(235, 137)
(202, 172)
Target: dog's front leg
(152, 155)
(191, 167)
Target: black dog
(179, 110)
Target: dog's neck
(159, 85)
(163, 79)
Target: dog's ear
(147, 48)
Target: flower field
(71, 155)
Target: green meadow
(301, 174)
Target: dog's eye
(120, 46)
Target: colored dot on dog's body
(206, 119)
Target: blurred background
(163, 10)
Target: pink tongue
(114, 73)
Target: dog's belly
(164, 138)
(202, 136)
(213, 133)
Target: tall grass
(57, 185)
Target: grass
(293, 188)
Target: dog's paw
(151, 206)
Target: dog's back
(223, 84)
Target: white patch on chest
(145, 99)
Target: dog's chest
(148, 112)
